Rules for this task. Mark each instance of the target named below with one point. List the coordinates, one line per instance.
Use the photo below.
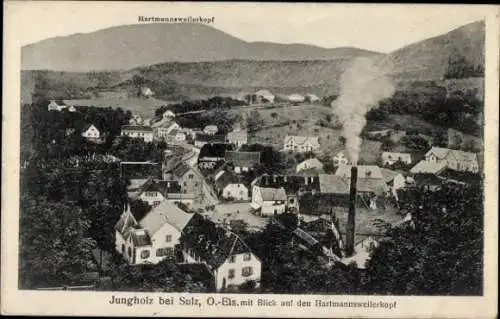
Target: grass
(144, 107)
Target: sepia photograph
(194, 149)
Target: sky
(377, 27)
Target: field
(144, 107)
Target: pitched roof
(243, 159)
(165, 212)
(290, 183)
(226, 178)
(164, 122)
(181, 169)
(395, 156)
(334, 184)
(388, 174)
(263, 93)
(371, 171)
(140, 238)
(126, 220)
(271, 194)
(237, 135)
(211, 128)
(212, 244)
(313, 162)
(302, 139)
(137, 128)
(214, 139)
(89, 125)
(214, 150)
(428, 167)
(306, 237)
(164, 187)
(441, 153)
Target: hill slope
(125, 47)
(428, 59)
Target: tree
(441, 254)
(254, 121)
(342, 140)
(387, 145)
(55, 246)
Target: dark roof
(181, 169)
(217, 138)
(305, 237)
(243, 159)
(322, 204)
(291, 183)
(164, 187)
(225, 179)
(211, 243)
(214, 150)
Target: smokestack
(351, 222)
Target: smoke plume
(363, 85)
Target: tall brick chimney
(351, 218)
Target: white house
(242, 161)
(296, 98)
(389, 158)
(226, 256)
(154, 237)
(312, 97)
(54, 106)
(301, 144)
(137, 131)
(211, 129)
(91, 132)
(237, 137)
(312, 163)
(162, 128)
(341, 158)
(230, 186)
(146, 92)
(168, 114)
(437, 159)
(264, 95)
(268, 200)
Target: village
(211, 182)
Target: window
(145, 254)
(185, 184)
(167, 251)
(129, 252)
(150, 194)
(231, 274)
(156, 203)
(247, 257)
(246, 271)
(196, 184)
(190, 176)
(168, 238)
(123, 248)
(232, 259)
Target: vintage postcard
(250, 159)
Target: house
(389, 158)
(163, 127)
(168, 114)
(293, 185)
(175, 136)
(211, 129)
(268, 201)
(146, 92)
(425, 167)
(231, 187)
(453, 159)
(202, 139)
(238, 137)
(90, 132)
(263, 96)
(243, 96)
(156, 191)
(55, 106)
(301, 144)
(296, 98)
(226, 256)
(364, 171)
(152, 239)
(190, 179)
(211, 155)
(312, 163)
(394, 180)
(312, 98)
(242, 161)
(370, 186)
(71, 109)
(137, 131)
(341, 158)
